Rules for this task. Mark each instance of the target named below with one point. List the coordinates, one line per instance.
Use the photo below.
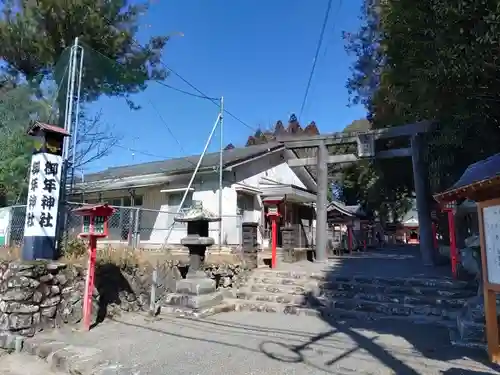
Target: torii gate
(365, 141)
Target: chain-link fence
(136, 227)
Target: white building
(251, 176)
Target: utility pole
(221, 154)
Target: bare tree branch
(95, 140)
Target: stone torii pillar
(366, 149)
(322, 203)
(421, 181)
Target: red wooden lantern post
(273, 215)
(350, 245)
(95, 225)
(450, 208)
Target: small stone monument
(196, 292)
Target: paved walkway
(397, 261)
(267, 344)
(23, 364)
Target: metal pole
(154, 283)
(193, 176)
(221, 154)
(63, 183)
(77, 114)
(70, 97)
(68, 102)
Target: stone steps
(300, 279)
(351, 289)
(180, 311)
(334, 312)
(415, 299)
(293, 299)
(411, 311)
(369, 299)
(280, 288)
(428, 291)
(470, 330)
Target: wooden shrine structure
(351, 219)
(481, 183)
(316, 153)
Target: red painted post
(95, 225)
(453, 242)
(274, 240)
(349, 239)
(89, 283)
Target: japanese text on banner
(43, 195)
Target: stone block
(22, 282)
(9, 341)
(194, 301)
(195, 286)
(470, 331)
(51, 301)
(250, 258)
(17, 295)
(14, 322)
(18, 307)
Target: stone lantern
(196, 291)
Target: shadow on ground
(110, 283)
(325, 350)
(430, 340)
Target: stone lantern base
(196, 295)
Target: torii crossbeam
(318, 157)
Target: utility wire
(334, 26)
(215, 101)
(169, 130)
(183, 91)
(142, 152)
(318, 47)
(150, 102)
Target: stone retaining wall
(41, 295)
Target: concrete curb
(75, 360)
(11, 342)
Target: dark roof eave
(463, 192)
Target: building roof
(35, 126)
(350, 211)
(185, 164)
(480, 171)
(487, 170)
(411, 220)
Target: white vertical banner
(43, 195)
(5, 218)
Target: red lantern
(95, 225)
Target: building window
(126, 201)
(245, 206)
(174, 201)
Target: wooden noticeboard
(489, 231)
(481, 183)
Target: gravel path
(257, 343)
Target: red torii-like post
(95, 225)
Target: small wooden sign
(272, 210)
(366, 145)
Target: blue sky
(258, 54)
